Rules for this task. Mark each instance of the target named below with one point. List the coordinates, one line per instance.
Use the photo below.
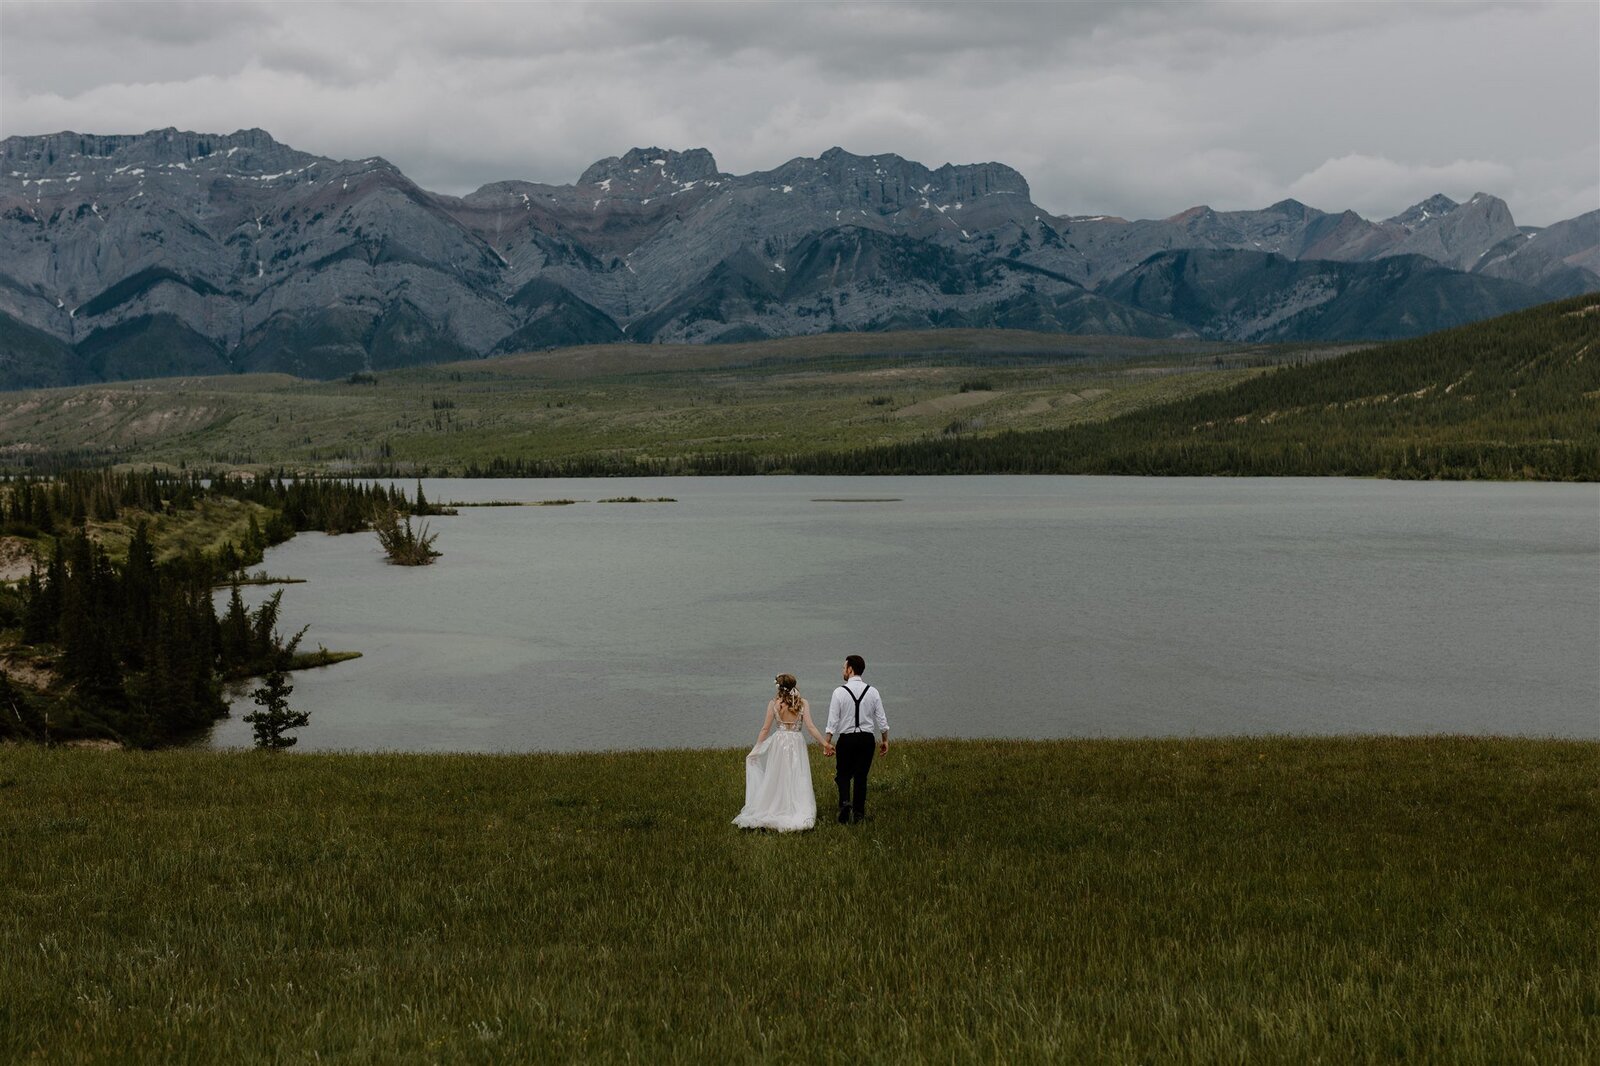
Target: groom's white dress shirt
(842, 710)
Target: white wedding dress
(777, 782)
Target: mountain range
(176, 253)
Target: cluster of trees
(404, 545)
(325, 504)
(137, 644)
(34, 505)
(31, 505)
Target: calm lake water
(985, 607)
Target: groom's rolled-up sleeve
(877, 708)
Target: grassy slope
(1515, 396)
(205, 528)
(776, 397)
(1335, 901)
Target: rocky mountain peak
(84, 155)
(1293, 208)
(651, 166)
(889, 182)
(1488, 204)
(1459, 235)
(1436, 206)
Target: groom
(856, 710)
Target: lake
(986, 606)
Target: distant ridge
(174, 252)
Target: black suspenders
(864, 690)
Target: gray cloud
(1134, 109)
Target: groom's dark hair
(857, 664)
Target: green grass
(1283, 901)
(310, 660)
(775, 398)
(204, 528)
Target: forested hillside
(1512, 397)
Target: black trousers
(853, 753)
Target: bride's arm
(766, 723)
(805, 713)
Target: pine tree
(263, 624)
(39, 612)
(275, 718)
(233, 639)
(228, 559)
(139, 588)
(255, 542)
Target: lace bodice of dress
(788, 727)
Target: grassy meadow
(205, 528)
(1238, 900)
(773, 398)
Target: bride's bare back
(776, 709)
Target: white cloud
(1378, 187)
(1138, 109)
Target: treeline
(1512, 397)
(134, 646)
(1069, 452)
(33, 506)
(612, 465)
(328, 505)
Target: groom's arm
(883, 724)
(834, 715)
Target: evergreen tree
(263, 626)
(139, 590)
(275, 718)
(89, 628)
(228, 559)
(40, 612)
(255, 542)
(233, 636)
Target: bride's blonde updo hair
(788, 696)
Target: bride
(777, 773)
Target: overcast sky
(1133, 109)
